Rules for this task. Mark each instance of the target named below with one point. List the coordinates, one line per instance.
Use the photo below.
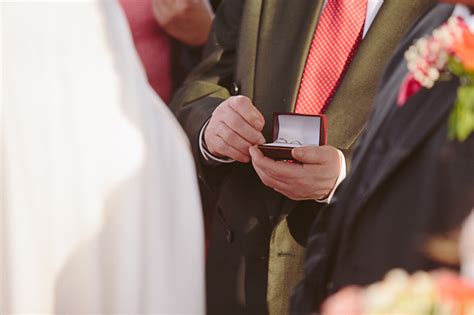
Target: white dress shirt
(373, 7)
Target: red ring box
(292, 130)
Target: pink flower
(409, 87)
(428, 58)
(348, 301)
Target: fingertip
(260, 115)
(255, 152)
(252, 151)
(258, 124)
(245, 160)
(298, 153)
(261, 121)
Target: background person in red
(169, 35)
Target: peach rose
(464, 50)
(455, 293)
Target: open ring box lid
(294, 130)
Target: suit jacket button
(235, 90)
(229, 236)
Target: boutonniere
(444, 55)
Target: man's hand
(313, 176)
(186, 20)
(235, 126)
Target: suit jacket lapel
(436, 105)
(286, 32)
(245, 72)
(397, 69)
(346, 121)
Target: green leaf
(461, 120)
(457, 68)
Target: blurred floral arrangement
(446, 54)
(436, 293)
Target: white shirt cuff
(342, 176)
(208, 156)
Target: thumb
(309, 155)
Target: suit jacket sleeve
(209, 84)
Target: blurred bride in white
(99, 206)
(467, 248)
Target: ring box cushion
(292, 130)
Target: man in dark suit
(408, 183)
(256, 65)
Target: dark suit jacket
(408, 183)
(258, 48)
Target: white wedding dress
(99, 206)
(467, 248)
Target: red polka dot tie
(335, 42)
